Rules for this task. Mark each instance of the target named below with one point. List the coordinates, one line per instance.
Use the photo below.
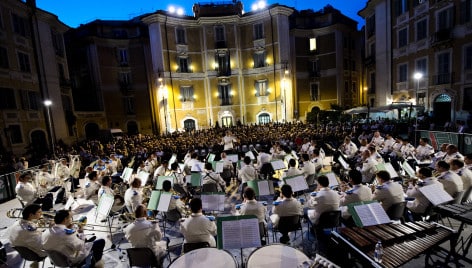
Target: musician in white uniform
(198, 228)
(25, 232)
(250, 206)
(368, 167)
(228, 141)
(211, 177)
(358, 192)
(325, 200)
(451, 181)
(133, 195)
(387, 192)
(424, 151)
(28, 194)
(348, 148)
(421, 203)
(143, 233)
(285, 205)
(92, 185)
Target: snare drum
(205, 257)
(276, 256)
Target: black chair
(263, 232)
(142, 257)
(60, 260)
(396, 211)
(287, 224)
(29, 255)
(328, 220)
(209, 188)
(457, 198)
(466, 196)
(192, 246)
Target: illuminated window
(313, 46)
(261, 87)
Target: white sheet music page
(219, 167)
(298, 183)
(391, 170)
(333, 181)
(263, 187)
(213, 202)
(242, 233)
(278, 164)
(164, 202)
(372, 214)
(435, 194)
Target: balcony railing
(444, 78)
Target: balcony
(226, 101)
(220, 44)
(444, 78)
(441, 36)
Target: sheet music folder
(368, 213)
(435, 194)
(213, 201)
(298, 182)
(159, 200)
(261, 187)
(236, 232)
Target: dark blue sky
(76, 12)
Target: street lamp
(48, 104)
(417, 76)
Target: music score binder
(232, 157)
(126, 175)
(195, 179)
(298, 183)
(387, 167)
(368, 213)
(237, 232)
(105, 204)
(144, 176)
(213, 201)
(161, 179)
(277, 164)
(435, 194)
(159, 200)
(261, 187)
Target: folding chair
(192, 246)
(60, 260)
(29, 255)
(142, 257)
(397, 211)
(287, 224)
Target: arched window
(227, 121)
(263, 118)
(443, 98)
(189, 124)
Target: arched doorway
(442, 109)
(91, 131)
(263, 118)
(39, 143)
(189, 124)
(132, 128)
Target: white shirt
(198, 228)
(133, 198)
(58, 239)
(25, 233)
(144, 234)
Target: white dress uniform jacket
(25, 233)
(421, 203)
(389, 193)
(451, 181)
(326, 200)
(66, 241)
(145, 234)
(198, 228)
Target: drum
(205, 257)
(276, 256)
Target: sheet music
(277, 164)
(164, 202)
(195, 179)
(219, 167)
(211, 157)
(372, 214)
(161, 180)
(264, 188)
(343, 162)
(250, 154)
(232, 157)
(144, 176)
(213, 202)
(333, 181)
(152, 204)
(435, 194)
(127, 172)
(241, 233)
(105, 204)
(298, 183)
(387, 167)
(408, 169)
(172, 159)
(68, 205)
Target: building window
(403, 73)
(183, 64)
(401, 6)
(4, 58)
(16, 137)
(7, 99)
(259, 59)
(180, 36)
(314, 69)
(123, 56)
(29, 100)
(189, 124)
(372, 83)
(219, 33)
(403, 37)
(227, 121)
(186, 93)
(20, 25)
(57, 43)
(125, 78)
(224, 93)
(370, 25)
(421, 29)
(263, 118)
(422, 66)
(258, 31)
(445, 19)
(468, 57)
(313, 46)
(261, 88)
(129, 105)
(223, 63)
(314, 92)
(443, 63)
(466, 11)
(23, 60)
(466, 103)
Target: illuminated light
(180, 11)
(47, 103)
(254, 7)
(261, 4)
(232, 93)
(418, 75)
(171, 9)
(195, 97)
(215, 65)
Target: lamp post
(164, 93)
(417, 76)
(48, 104)
(284, 84)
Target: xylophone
(401, 242)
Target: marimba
(401, 242)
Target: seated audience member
(357, 193)
(325, 199)
(451, 181)
(25, 232)
(71, 242)
(28, 194)
(250, 206)
(143, 233)
(211, 177)
(176, 206)
(285, 205)
(198, 228)
(420, 202)
(133, 195)
(387, 192)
